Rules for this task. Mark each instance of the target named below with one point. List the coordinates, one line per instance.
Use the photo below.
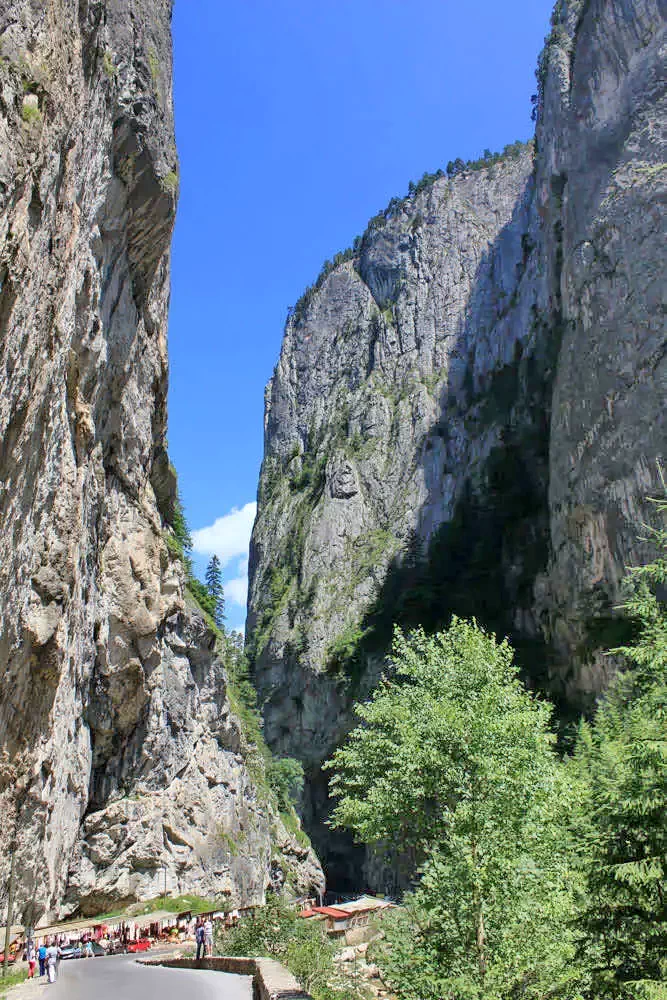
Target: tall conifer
(216, 589)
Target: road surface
(122, 978)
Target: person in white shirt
(208, 936)
(52, 956)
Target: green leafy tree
(623, 761)
(285, 777)
(216, 590)
(455, 760)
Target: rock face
(111, 692)
(467, 410)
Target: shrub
(285, 777)
(276, 931)
(169, 182)
(108, 65)
(31, 115)
(154, 66)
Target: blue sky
(297, 120)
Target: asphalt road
(122, 978)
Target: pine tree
(216, 590)
(623, 757)
(180, 526)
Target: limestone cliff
(112, 695)
(468, 407)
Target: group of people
(48, 958)
(204, 938)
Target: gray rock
(484, 382)
(110, 684)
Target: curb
(271, 980)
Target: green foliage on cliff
(203, 597)
(108, 64)
(463, 571)
(311, 475)
(30, 115)
(180, 529)
(283, 582)
(179, 543)
(298, 312)
(285, 777)
(208, 598)
(513, 150)
(277, 590)
(345, 653)
(169, 183)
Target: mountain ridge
(469, 419)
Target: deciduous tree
(455, 759)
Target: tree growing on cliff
(285, 777)
(455, 760)
(180, 526)
(216, 590)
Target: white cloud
(236, 590)
(228, 538)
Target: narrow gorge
(468, 411)
(467, 417)
(130, 771)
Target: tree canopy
(455, 760)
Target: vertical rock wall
(601, 201)
(110, 687)
(466, 415)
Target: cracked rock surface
(109, 681)
(479, 389)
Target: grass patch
(228, 842)
(293, 826)
(31, 115)
(13, 979)
(169, 183)
(179, 904)
(154, 66)
(108, 65)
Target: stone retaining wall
(271, 981)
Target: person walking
(31, 958)
(52, 956)
(199, 938)
(208, 936)
(41, 955)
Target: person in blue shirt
(41, 956)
